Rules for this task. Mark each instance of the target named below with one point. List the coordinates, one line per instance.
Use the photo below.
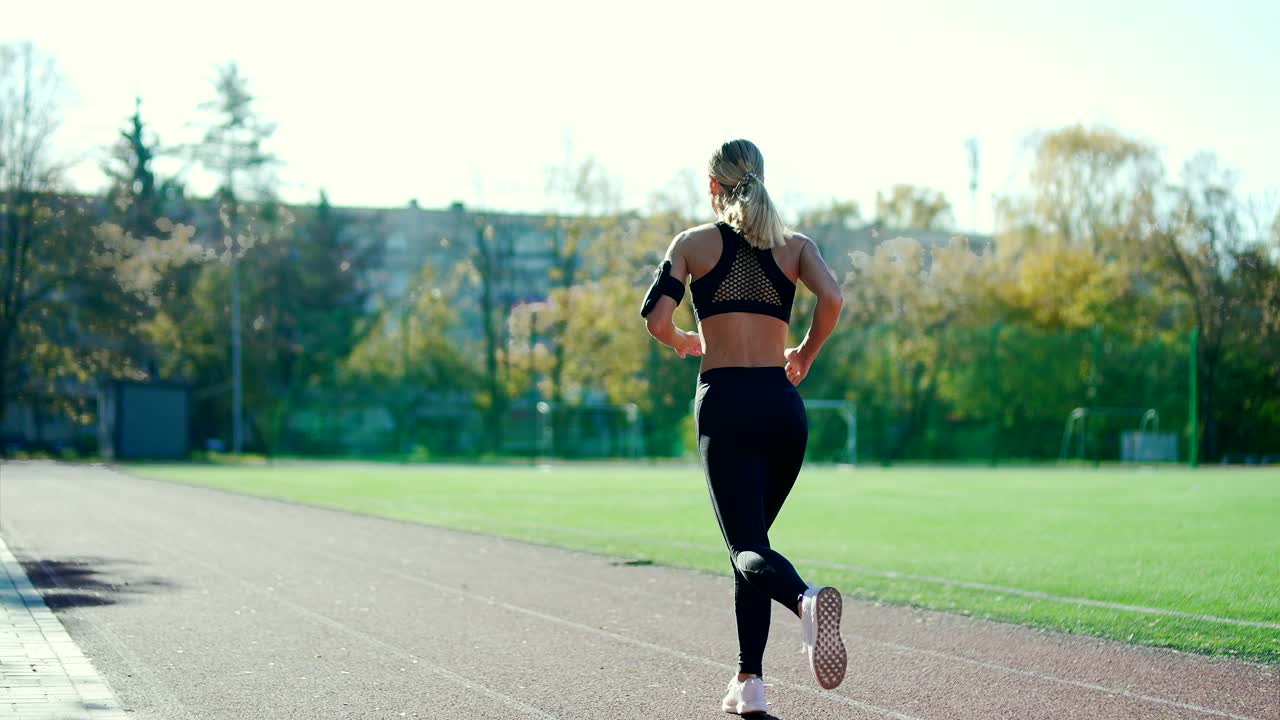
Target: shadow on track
(87, 582)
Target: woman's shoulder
(702, 231)
(698, 236)
(797, 238)
(700, 246)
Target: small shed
(143, 420)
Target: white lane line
(581, 627)
(1045, 677)
(330, 554)
(905, 648)
(979, 663)
(1034, 674)
(443, 672)
(438, 670)
(338, 625)
(1038, 595)
(1053, 678)
(972, 661)
(533, 613)
(43, 673)
(863, 570)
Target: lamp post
(537, 408)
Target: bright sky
(380, 102)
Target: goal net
(1094, 434)
(588, 430)
(833, 430)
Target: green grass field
(1179, 542)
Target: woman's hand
(797, 364)
(688, 344)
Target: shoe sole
(744, 709)
(829, 657)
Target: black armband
(663, 284)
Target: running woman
(750, 419)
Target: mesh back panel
(746, 280)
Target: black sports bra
(745, 279)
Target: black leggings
(752, 433)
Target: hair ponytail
(744, 203)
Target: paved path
(43, 674)
(196, 603)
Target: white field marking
(1053, 678)
(1045, 677)
(654, 647)
(825, 695)
(905, 648)
(890, 574)
(394, 650)
(35, 641)
(868, 707)
(358, 634)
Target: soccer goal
(587, 430)
(1083, 420)
(821, 413)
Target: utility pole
(237, 390)
(1193, 421)
(972, 146)
(237, 387)
(232, 144)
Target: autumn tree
(489, 269)
(917, 294)
(1218, 260)
(584, 239)
(68, 304)
(1087, 187)
(408, 359)
(908, 206)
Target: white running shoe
(820, 620)
(745, 697)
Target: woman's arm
(659, 320)
(817, 276)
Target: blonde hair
(743, 203)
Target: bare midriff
(742, 340)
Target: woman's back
(743, 338)
(745, 269)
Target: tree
(72, 289)
(834, 214)
(1088, 187)
(606, 351)
(133, 199)
(1066, 265)
(147, 248)
(66, 310)
(488, 267)
(407, 360)
(1213, 257)
(685, 196)
(312, 299)
(232, 148)
(580, 235)
(914, 296)
(29, 233)
(908, 206)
